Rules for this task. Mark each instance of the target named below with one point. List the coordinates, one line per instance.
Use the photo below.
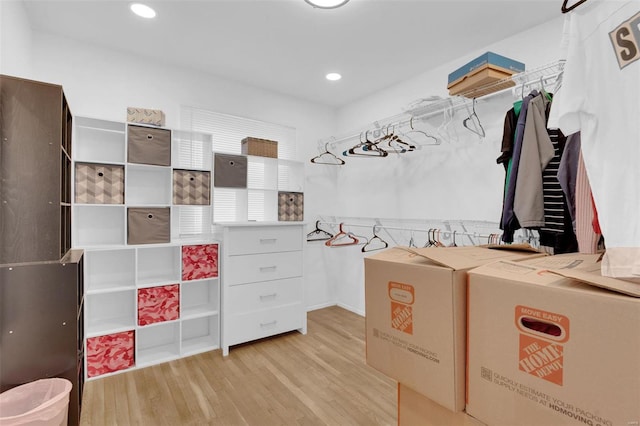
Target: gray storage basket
(148, 225)
(230, 171)
(147, 145)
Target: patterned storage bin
(191, 187)
(290, 206)
(155, 117)
(99, 183)
(158, 304)
(109, 353)
(146, 145)
(230, 171)
(148, 225)
(199, 262)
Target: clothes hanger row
(435, 237)
(390, 141)
(447, 107)
(346, 238)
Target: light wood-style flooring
(317, 379)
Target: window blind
(227, 132)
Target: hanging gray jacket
(537, 151)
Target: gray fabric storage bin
(99, 183)
(230, 171)
(290, 206)
(146, 145)
(148, 225)
(191, 187)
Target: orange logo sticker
(402, 297)
(542, 335)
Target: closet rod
(394, 228)
(547, 72)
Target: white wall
(457, 180)
(101, 83)
(15, 39)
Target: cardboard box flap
(593, 277)
(460, 258)
(523, 247)
(565, 261)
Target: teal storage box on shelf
(484, 70)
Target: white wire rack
(548, 75)
(420, 232)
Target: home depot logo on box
(542, 338)
(402, 297)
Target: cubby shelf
(126, 284)
(116, 276)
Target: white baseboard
(320, 306)
(341, 305)
(352, 309)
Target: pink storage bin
(199, 262)
(158, 304)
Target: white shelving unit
(259, 200)
(115, 278)
(129, 286)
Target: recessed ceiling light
(327, 4)
(143, 10)
(333, 76)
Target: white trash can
(40, 403)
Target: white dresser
(262, 281)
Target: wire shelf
(423, 109)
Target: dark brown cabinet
(41, 278)
(35, 171)
(41, 324)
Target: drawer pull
(267, 296)
(268, 240)
(267, 268)
(267, 324)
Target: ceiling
(287, 46)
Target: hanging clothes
(509, 222)
(537, 152)
(602, 69)
(575, 185)
(533, 195)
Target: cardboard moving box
(482, 71)
(416, 316)
(549, 350)
(415, 409)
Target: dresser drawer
(262, 267)
(268, 239)
(263, 295)
(256, 325)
